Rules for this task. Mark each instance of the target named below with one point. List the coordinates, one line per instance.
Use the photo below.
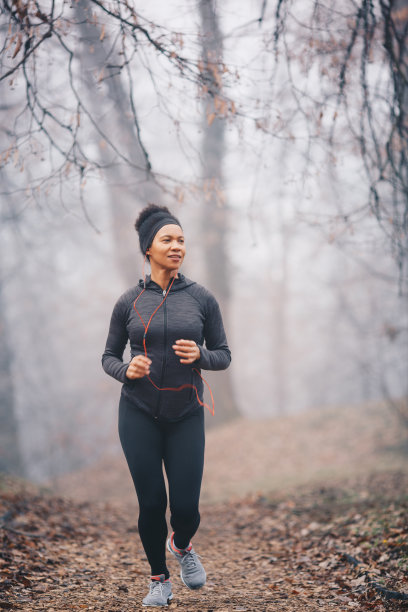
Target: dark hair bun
(149, 221)
(149, 210)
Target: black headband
(151, 226)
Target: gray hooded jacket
(190, 312)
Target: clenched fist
(138, 367)
(187, 350)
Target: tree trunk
(279, 309)
(395, 14)
(213, 226)
(10, 457)
(399, 14)
(120, 125)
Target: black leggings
(148, 444)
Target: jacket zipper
(164, 357)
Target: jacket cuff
(202, 361)
(123, 377)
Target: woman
(167, 318)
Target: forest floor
(329, 533)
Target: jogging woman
(175, 329)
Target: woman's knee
(154, 507)
(185, 517)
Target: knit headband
(151, 226)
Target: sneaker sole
(158, 605)
(192, 588)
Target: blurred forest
(276, 131)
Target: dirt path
(330, 548)
(268, 456)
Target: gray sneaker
(159, 592)
(192, 572)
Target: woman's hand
(187, 350)
(138, 367)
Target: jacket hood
(181, 282)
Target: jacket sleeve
(215, 355)
(112, 358)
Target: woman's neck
(162, 277)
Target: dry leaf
(210, 118)
(18, 45)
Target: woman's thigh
(142, 442)
(184, 459)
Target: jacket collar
(179, 283)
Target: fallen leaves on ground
(339, 547)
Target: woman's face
(167, 249)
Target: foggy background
(263, 164)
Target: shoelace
(156, 586)
(190, 559)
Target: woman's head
(160, 236)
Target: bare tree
(214, 217)
(121, 121)
(53, 114)
(347, 68)
(10, 456)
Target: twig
(48, 34)
(24, 533)
(388, 594)
(351, 559)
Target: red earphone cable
(146, 327)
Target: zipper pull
(164, 293)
